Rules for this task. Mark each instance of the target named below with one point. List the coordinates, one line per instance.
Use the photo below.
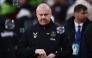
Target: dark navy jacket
(44, 37)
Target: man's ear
(36, 14)
(75, 14)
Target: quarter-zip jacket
(44, 37)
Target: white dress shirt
(76, 26)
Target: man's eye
(40, 14)
(46, 14)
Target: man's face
(43, 16)
(82, 15)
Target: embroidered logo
(35, 34)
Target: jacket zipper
(44, 28)
(43, 40)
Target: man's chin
(43, 24)
(84, 20)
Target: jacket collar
(70, 21)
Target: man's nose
(43, 16)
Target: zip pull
(44, 28)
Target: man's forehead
(82, 10)
(43, 6)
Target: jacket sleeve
(23, 50)
(66, 47)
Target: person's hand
(45, 57)
(51, 55)
(41, 53)
(42, 57)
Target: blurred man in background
(75, 27)
(87, 3)
(7, 38)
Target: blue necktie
(78, 35)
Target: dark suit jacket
(87, 43)
(70, 30)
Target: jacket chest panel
(41, 39)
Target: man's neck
(77, 21)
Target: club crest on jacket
(35, 34)
(60, 29)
